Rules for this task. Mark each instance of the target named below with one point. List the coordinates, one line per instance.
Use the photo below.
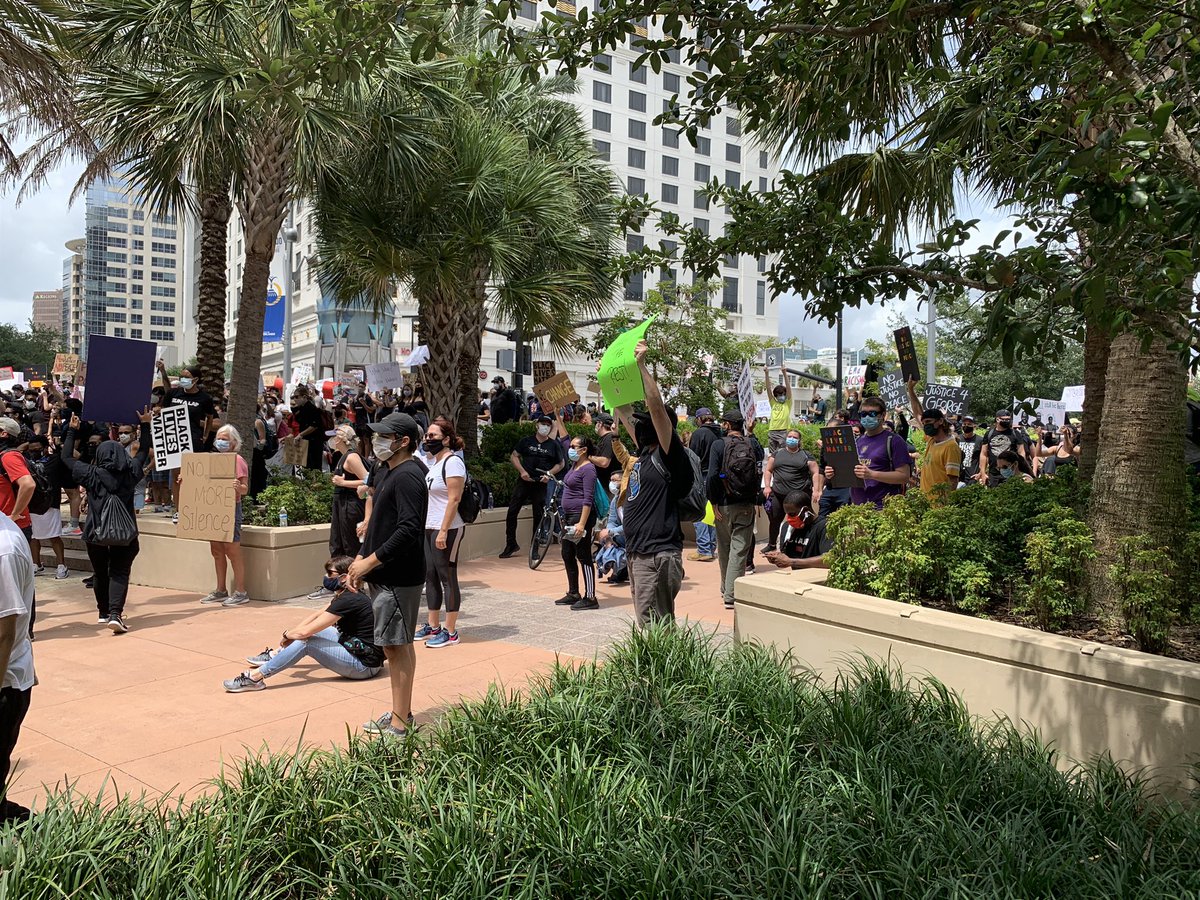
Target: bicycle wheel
(540, 543)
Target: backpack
(600, 500)
(476, 496)
(271, 444)
(327, 422)
(739, 469)
(42, 500)
(693, 505)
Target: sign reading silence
(619, 378)
(207, 497)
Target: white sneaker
(61, 572)
(40, 570)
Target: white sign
(171, 433)
(302, 373)
(418, 357)
(856, 376)
(381, 376)
(1049, 411)
(1073, 396)
(952, 380)
(745, 391)
(762, 409)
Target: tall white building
(72, 297)
(619, 103)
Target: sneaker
(73, 531)
(61, 572)
(567, 599)
(175, 518)
(383, 725)
(243, 683)
(729, 604)
(215, 597)
(101, 620)
(89, 582)
(749, 570)
(510, 551)
(116, 625)
(442, 639)
(320, 593)
(586, 603)
(238, 598)
(426, 631)
(40, 570)
(701, 557)
(261, 659)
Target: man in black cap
(535, 458)
(706, 434)
(734, 485)
(391, 560)
(941, 464)
(505, 405)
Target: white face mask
(382, 445)
(544, 430)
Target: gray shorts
(396, 610)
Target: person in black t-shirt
(1000, 439)
(200, 410)
(606, 433)
(339, 638)
(534, 458)
(309, 428)
(506, 407)
(973, 447)
(801, 538)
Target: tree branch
(877, 25)
(929, 277)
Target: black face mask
(434, 447)
(930, 430)
(643, 430)
(1003, 426)
(968, 430)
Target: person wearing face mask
(1000, 439)
(16, 484)
(802, 540)
(228, 554)
(610, 557)
(47, 526)
(941, 466)
(444, 531)
(788, 470)
(579, 518)
(349, 474)
(340, 638)
(733, 489)
(781, 409)
(972, 446)
(1009, 466)
(412, 402)
(391, 560)
(883, 461)
(200, 410)
(534, 458)
(127, 439)
(308, 427)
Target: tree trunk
(468, 377)
(441, 333)
(1097, 342)
(215, 208)
(1139, 485)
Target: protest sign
(856, 376)
(774, 357)
(302, 373)
(745, 393)
(543, 370)
(837, 444)
(36, 372)
(295, 453)
(118, 388)
(952, 380)
(555, 392)
(593, 387)
(66, 363)
(381, 376)
(207, 497)
(1052, 412)
(418, 357)
(171, 434)
(762, 409)
(953, 401)
(6, 373)
(1072, 398)
(619, 378)
(892, 389)
(907, 351)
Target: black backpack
(739, 469)
(476, 496)
(42, 500)
(694, 504)
(271, 444)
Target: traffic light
(525, 360)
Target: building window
(138, 215)
(163, 232)
(671, 83)
(118, 332)
(670, 138)
(760, 302)
(601, 121)
(667, 276)
(529, 9)
(703, 146)
(637, 130)
(603, 150)
(670, 193)
(156, 291)
(702, 172)
(162, 247)
(762, 184)
(669, 247)
(602, 91)
(634, 291)
(729, 296)
(135, 318)
(733, 179)
(733, 153)
(670, 165)
(636, 186)
(165, 337)
(762, 265)
(168, 277)
(731, 261)
(733, 126)
(168, 321)
(700, 199)
(138, 259)
(670, 109)
(637, 101)
(163, 262)
(602, 62)
(136, 334)
(637, 74)
(110, 316)
(136, 289)
(139, 229)
(637, 158)
(762, 159)
(634, 243)
(673, 55)
(701, 225)
(162, 306)
(138, 245)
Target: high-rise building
(72, 297)
(136, 273)
(48, 309)
(618, 101)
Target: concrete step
(76, 560)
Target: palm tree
(33, 89)
(514, 207)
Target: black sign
(774, 357)
(837, 443)
(892, 389)
(36, 372)
(953, 401)
(907, 351)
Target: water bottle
(283, 518)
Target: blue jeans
(325, 649)
(832, 499)
(706, 539)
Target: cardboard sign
(593, 387)
(619, 377)
(837, 443)
(207, 497)
(295, 453)
(385, 375)
(66, 363)
(555, 392)
(856, 377)
(171, 435)
(745, 392)
(774, 357)
(6, 373)
(117, 386)
(907, 351)
(1072, 398)
(953, 401)
(892, 389)
(543, 370)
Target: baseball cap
(733, 417)
(497, 380)
(604, 419)
(702, 412)
(1004, 414)
(9, 426)
(934, 413)
(544, 417)
(968, 418)
(399, 424)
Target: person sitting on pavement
(802, 540)
(339, 638)
(610, 557)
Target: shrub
(1145, 579)
(1056, 552)
(308, 499)
(672, 770)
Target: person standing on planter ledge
(535, 458)
(391, 561)
(444, 531)
(16, 651)
(781, 409)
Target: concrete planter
(1082, 698)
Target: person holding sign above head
(942, 463)
(781, 409)
(884, 465)
(228, 554)
(110, 531)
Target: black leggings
(578, 555)
(441, 570)
(111, 567)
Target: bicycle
(550, 529)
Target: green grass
(673, 770)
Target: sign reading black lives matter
(892, 390)
(841, 453)
(906, 350)
(172, 437)
(951, 400)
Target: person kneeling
(338, 638)
(802, 541)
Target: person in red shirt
(16, 485)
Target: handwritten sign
(295, 453)
(907, 351)
(619, 377)
(6, 373)
(384, 376)
(556, 391)
(892, 389)
(302, 373)
(207, 497)
(745, 392)
(856, 376)
(66, 363)
(171, 434)
(762, 409)
(953, 401)
(543, 370)
(837, 443)
(1072, 397)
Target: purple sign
(118, 386)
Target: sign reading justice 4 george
(207, 497)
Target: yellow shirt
(781, 416)
(941, 465)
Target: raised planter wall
(1082, 698)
